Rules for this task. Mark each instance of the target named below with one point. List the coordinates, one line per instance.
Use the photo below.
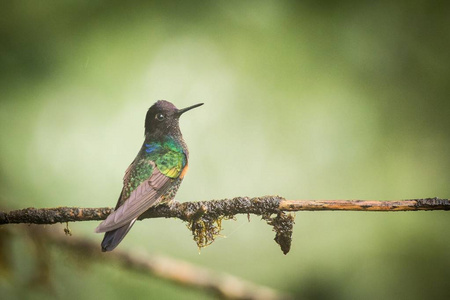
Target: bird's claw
(173, 204)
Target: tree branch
(226, 207)
(180, 272)
(366, 205)
(204, 217)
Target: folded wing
(144, 196)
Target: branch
(366, 205)
(226, 207)
(180, 272)
(204, 217)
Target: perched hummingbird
(155, 174)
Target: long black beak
(182, 111)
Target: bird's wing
(148, 192)
(146, 195)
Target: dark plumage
(155, 174)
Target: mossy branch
(204, 217)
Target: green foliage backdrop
(307, 100)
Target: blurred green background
(307, 100)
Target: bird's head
(162, 118)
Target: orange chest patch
(184, 171)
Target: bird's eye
(160, 117)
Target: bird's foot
(173, 204)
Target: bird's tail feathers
(114, 237)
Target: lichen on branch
(204, 218)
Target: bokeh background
(307, 100)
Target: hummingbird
(155, 174)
